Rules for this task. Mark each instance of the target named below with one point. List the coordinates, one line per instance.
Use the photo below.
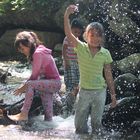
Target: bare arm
(66, 62)
(64, 52)
(110, 83)
(70, 10)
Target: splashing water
(59, 128)
(37, 128)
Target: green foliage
(18, 5)
(25, 4)
(5, 5)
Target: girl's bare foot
(19, 117)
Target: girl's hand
(114, 101)
(17, 92)
(20, 90)
(71, 9)
(66, 64)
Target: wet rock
(3, 76)
(4, 119)
(130, 64)
(126, 85)
(123, 115)
(136, 126)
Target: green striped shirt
(91, 67)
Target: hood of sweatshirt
(43, 49)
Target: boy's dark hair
(75, 23)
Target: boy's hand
(71, 9)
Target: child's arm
(70, 10)
(66, 62)
(110, 83)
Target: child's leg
(46, 88)
(28, 97)
(97, 109)
(27, 103)
(43, 86)
(47, 102)
(52, 86)
(82, 112)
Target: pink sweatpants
(45, 88)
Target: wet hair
(28, 39)
(98, 27)
(75, 23)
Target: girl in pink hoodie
(45, 78)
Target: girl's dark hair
(28, 39)
(75, 23)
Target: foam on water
(58, 123)
(40, 129)
(58, 129)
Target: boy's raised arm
(70, 10)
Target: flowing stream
(37, 128)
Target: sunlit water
(36, 128)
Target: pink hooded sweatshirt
(43, 65)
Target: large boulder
(123, 115)
(126, 85)
(130, 64)
(7, 49)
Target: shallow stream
(36, 128)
